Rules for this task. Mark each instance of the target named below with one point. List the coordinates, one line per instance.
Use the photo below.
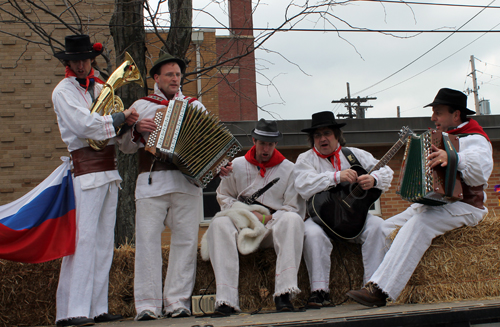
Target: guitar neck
(388, 156)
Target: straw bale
(28, 292)
(257, 276)
(461, 264)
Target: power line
(446, 58)
(361, 30)
(418, 58)
(433, 4)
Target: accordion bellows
(421, 184)
(193, 140)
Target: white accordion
(193, 140)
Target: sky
(309, 69)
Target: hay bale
(28, 293)
(257, 276)
(461, 264)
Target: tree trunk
(181, 21)
(127, 29)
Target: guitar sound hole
(357, 192)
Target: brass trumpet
(108, 103)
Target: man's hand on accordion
(226, 170)
(145, 125)
(437, 157)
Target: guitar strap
(350, 157)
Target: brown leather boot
(370, 295)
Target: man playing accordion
(421, 223)
(164, 197)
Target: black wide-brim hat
(266, 131)
(453, 98)
(323, 119)
(78, 47)
(163, 60)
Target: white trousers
(318, 248)
(420, 226)
(84, 278)
(181, 213)
(286, 235)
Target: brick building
(30, 144)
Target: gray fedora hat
(452, 98)
(267, 131)
(323, 119)
(167, 57)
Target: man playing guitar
(325, 166)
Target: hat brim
(267, 138)
(464, 109)
(153, 70)
(77, 56)
(312, 129)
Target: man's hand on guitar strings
(348, 175)
(226, 170)
(437, 157)
(366, 181)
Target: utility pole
(474, 84)
(354, 103)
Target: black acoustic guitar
(341, 210)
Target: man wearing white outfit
(323, 166)
(82, 293)
(283, 229)
(164, 197)
(420, 223)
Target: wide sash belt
(86, 160)
(146, 160)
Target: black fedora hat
(453, 98)
(78, 47)
(167, 57)
(323, 119)
(266, 131)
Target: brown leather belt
(473, 195)
(146, 160)
(87, 160)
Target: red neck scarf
(472, 127)
(71, 73)
(334, 155)
(276, 159)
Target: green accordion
(420, 184)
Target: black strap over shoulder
(350, 156)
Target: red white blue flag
(40, 226)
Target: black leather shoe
(78, 321)
(224, 310)
(283, 303)
(106, 317)
(319, 299)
